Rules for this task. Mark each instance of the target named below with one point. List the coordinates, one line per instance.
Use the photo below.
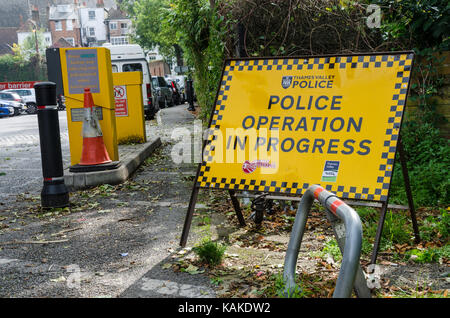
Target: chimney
(100, 4)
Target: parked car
(163, 92)
(181, 81)
(13, 100)
(176, 91)
(131, 58)
(28, 98)
(6, 111)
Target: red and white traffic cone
(94, 150)
(94, 156)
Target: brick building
(64, 23)
(118, 27)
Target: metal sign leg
(237, 207)
(412, 210)
(189, 215)
(376, 244)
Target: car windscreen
(133, 67)
(22, 92)
(6, 96)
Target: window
(135, 67)
(155, 82)
(123, 26)
(23, 92)
(162, 82)
(47, 40)
(91, 15)
(92, 32)
(114, 68)
(69, 25)
(71, 41)
(58, 26)
(113, 25)
(119, 40)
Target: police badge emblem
(286, 81)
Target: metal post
(376, 244)
(412, 210)
(237, 207)
(54, 192)
(353, 241)
(189, 215)
(360, 286)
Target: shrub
(131, 140)
(428, 161)
(430, 255)
(280, 288)
(210, 252)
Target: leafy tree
(200, 31)
(28, 48)
(423, 24)
(191, 27)
(149, 21)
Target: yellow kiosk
(82, 68)
(130, 118)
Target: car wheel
(31, 108)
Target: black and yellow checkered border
(401, 60)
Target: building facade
(64, 23)
(93, 28)
(118, 27)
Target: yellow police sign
(282, 124)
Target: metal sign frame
(342, 61)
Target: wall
(158, 68)
(64, 33)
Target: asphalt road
(20, 154)
(111, 244)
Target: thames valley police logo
(286, 81)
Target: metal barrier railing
(348, 231)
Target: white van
(131, 58)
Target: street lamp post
(38, 57)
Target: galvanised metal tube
(353, 241)
(298, 229)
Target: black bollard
(190, 94)
(54, 192)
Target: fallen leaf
(193, 270)
(58, 280)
